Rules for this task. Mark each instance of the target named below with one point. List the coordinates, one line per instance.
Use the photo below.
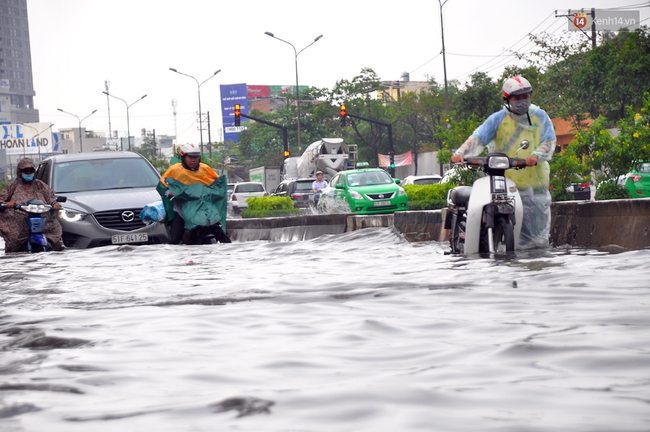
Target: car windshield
(369, 178)
(423, 181)
(102, 174)
(250, 187)
(643, 167)
(303, 186)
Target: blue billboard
(232, 94)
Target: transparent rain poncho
(503, 131)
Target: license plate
(130, 238)
(381, 203)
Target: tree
(481, 97)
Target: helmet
(319, 172)
(190, 150)
(515, 86)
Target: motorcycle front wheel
(504, 235)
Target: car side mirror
(397, 181)
(338, 186)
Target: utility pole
(154, 144)
(174, 111)
(107, 84)
(209, 138)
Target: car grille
(112, 219)
(387, 195)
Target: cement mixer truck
(329, 155)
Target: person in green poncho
(194, 196)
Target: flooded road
(361, 331)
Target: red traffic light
(344, 111)
(237, 114)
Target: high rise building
(16, 82)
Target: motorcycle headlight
(71, 215)
(499, 162)
(355, 195)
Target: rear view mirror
(61, 199)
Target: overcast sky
(77, 45)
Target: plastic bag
(154, 212)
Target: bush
(269, 206)
(428, 197)
(609, 190)
(3, 184)
(561, 195)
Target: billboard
(232, 94)
(26, 138)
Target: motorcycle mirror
(522, 146)
(61, 199)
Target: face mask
(28, 177)
(520, 107)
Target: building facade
(16, 81)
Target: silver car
(105, 193)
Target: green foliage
(428, 197)
(269, 206)
(610, 190)
(481, 97)
(610, 155)
(3, 184)
(561, 195)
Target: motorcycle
(36, 210)
(209, 234)
(486, 217)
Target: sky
(79, 45)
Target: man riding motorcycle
(13, 226)
(502, 132)
(194, 196)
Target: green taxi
(363, 191)
(638, 180)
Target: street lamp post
(128, 124)
(81, 141)
(296, 62)
(198, 87)
(444, 61)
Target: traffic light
(286, 153)
(237, 114)
(392, 160)
(344, 114)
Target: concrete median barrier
(589, 224)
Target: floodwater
(361, 331)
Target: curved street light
(297, 90)
(198, 86)
(81, 141)
(128, 123)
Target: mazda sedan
(105, 192)
(363, 191)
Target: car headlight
(401, 192)
(71, 215)
(355, 195)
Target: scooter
(486, 217)
(211, 234)
(36, 210)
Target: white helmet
(515, 86)
(190, 150)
